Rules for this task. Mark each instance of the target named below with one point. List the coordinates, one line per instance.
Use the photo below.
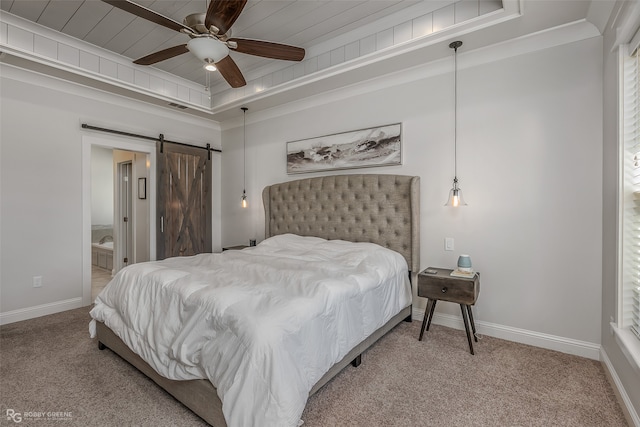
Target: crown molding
(30, 41)
(545, 39)
(75, 88)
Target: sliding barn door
(184, 201)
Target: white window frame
(629, 262)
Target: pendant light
(244, 157)
(455, 194)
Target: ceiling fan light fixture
(208, 49)
(209, 65)
(210, 40)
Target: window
(629, 307)
(627, 330)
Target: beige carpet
(50, 368)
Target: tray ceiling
(345, 41)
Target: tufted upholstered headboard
(383, 209)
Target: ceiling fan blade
(162, 55)
(223, 13)
(230, 71)
(147, 14)
(268, 49)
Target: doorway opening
(118, 209)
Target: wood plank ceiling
(303, 23)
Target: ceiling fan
(210, 38)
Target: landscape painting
(378, 146)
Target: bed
(326, 212)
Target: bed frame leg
(408, 318)
(101, 346)
(357, 361)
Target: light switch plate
(448, 244)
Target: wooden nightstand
(234, 248)
(441, 286)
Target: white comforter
(263, 324)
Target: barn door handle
(162, 223)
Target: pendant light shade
(455, 194)
(244, 157)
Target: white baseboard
(40, 310)
(618, 387)
(537, 339)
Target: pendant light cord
(244, 149)
(455, 196)
(455, 111)
(455, 45)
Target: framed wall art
(377, 146)
(142, 188)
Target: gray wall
(529, 163)
(41, 186)
(102, 186)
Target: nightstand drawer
(443, 287)
(445, 290)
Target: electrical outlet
(448, 243)
(37, 281)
